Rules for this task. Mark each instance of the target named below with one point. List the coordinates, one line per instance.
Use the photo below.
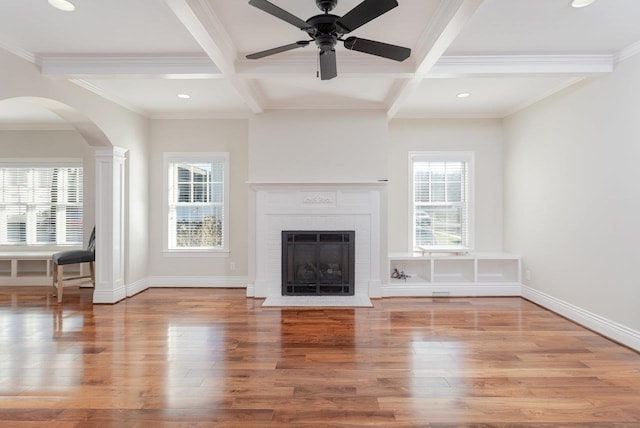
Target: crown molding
(104, 94)
(200, 115)
(158, 66)
(430, 115)
(471, 65)
(628, 52)
(18, 51)
(543, 95)
(36, 126)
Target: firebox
(318, 263)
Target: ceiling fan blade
(372, 47)
(274, 10)
(277, 50)
(365, 12)
(328, 67)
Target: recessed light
(581, 3)
(463, 95)
(184, 96)
(64, 5)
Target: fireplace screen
(318, 263)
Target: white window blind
(40, 205)
(197, 203)
(441, 195)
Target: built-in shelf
(473, 274)
(30, 268)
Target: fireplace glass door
(318, 263)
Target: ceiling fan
(327, 29)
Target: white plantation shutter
(441, 200)
(197, 202)
(40, 205)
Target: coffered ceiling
(506, 54)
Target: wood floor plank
(213, 358)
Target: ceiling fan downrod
(326, 5)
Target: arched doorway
(109, 195)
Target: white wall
(571, 190)
(200, 136)
(327, 146)
(483, 138)
(122, 128)
(56, 144)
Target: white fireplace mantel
(315, 206)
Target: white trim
(108, 96)
(474, 65)
(541, 96)
(152, 66)
(196, 253)
(110, 224)
(628, 52)
(40, 162)
(136, 287)
(444, 156)
(36, 126)
(18, 51)
(451, 290)
(195, 157)
(198, 281)
(110, 297)
(597, 323)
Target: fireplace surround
(278, 207)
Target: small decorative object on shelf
(399, 274)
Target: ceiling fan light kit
(63, 5)
(581, 3)
(327, 29)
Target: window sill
(196, 253)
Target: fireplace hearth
(318, 263)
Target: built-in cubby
(473, 274)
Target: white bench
(14, 272)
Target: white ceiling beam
(301, 65)
(448, 21)
(164, 67)
(207, 29)
(519, 65)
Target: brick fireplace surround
(315, 206)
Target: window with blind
(197, 201)
(40, 204)
(440, 202)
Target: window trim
(66, 162)
(443, 156)
(194, 157)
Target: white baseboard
(110, 297)
(198, 281)
(604, 326)
(450, 290)
(137, 287)
(251, 290)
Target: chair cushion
(73, 256)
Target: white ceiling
(507, 53)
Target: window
(441, 200)
(197, 201)
(40, 203)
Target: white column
(110, 176)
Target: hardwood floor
(212, 357)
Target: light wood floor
(211, 357)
